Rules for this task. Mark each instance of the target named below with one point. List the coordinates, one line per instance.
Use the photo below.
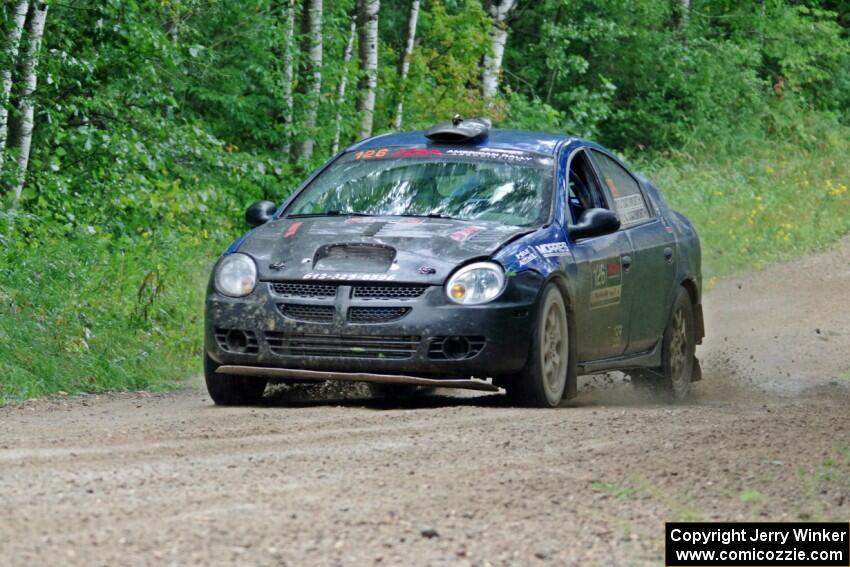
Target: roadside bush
(83, 315)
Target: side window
(628, 199)
(583, 190)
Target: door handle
(668, 254)
(627, 262)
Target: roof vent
(459, 130)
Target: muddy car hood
(420, 250)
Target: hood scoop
(358, 258)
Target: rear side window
(629, 202)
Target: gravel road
(336, 479)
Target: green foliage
(761, 202)
(445, 68)
(83, 316)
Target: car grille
(310, 313)
(376, 314)
(294, 289)
(396, 348)
(388, 291)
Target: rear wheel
(544, 379)
(228, 390)
(673, 380)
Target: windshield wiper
(329, 214)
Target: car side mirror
(594, 222)
(259, 213)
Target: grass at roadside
(764, 200)
(83, 316)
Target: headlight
(236, 275)
(476, 283)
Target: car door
(603, 287)
(653, 263)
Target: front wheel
(544, 379)
(228, 390)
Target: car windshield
(512, 188)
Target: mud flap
(697, 375)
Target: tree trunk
(313, 29)
(498, 10)
(343, 83)
(682, 14)
(288, 75)
(367, 20)
(404, 64)
(172, 32)
(29, 78)
(19, 16)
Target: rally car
(460, 256)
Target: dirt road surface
(142, 479)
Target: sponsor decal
(339, 276)
(418, 152)
(466, 232)
(292, 229)
(607, 280)
(525, 256)
(549, 249)
(490, 154)
(277, 266)
(631, 209)
(503, 155)
(406, 152)
(612, 187)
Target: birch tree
(684, 13)
(13, 40)
(343, 83)
(29, 79)
(367, 20)
(313, 30)
(498, 10)
(404, 64)
(288, 74)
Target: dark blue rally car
(465, 257)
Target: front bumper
(495, 337)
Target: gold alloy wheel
(678, 350)
(554, 350)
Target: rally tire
(672, 382)
(228, 390)
(544, 380)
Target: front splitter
(321, 376)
